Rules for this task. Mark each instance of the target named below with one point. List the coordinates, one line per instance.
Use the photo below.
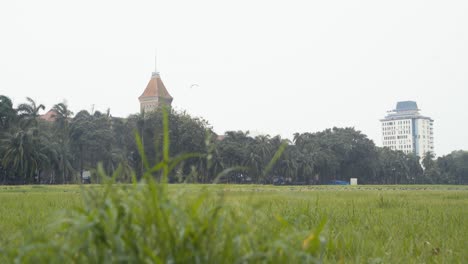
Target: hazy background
(275, 67)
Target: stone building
(155, 95)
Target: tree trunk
(81, 163)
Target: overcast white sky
(276, 67)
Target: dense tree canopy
(58, 150)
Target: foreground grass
(364, 224)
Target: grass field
(363, 224)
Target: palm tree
(287, 165)
(91, 139)
(24, 152)
(62, 117)
(29, 112)
(263, 146)
(62, 163)
(7, 113)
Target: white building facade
(407, 130)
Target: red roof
(50, 116)
(156, 88)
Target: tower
(407, 130)
(155, 94)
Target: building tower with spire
(155, 94)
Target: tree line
(60, 149)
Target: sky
(273, 67)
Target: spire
(156, 87)
(155, 73)
(155, 93)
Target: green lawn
(364, 224)
(29, 209)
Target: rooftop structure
(405, 129)
(155, 94)
(50, 116)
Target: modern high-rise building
(405, 129)
(155, 95)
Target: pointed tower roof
(156, 88)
